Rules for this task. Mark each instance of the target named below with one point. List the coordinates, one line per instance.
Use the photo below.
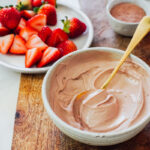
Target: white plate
(17, 62)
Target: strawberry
(37, 22)
(57, 36)
(45, 33)
(52, 2)
(3, 30)
(73, 27)
(67, 47)
(35, 42)
(24, 4)
(50, 11)
(49, 55)
(21, 25)
(6, 42)
(36, 3)
(18, 46)
(10, 17)
(27, 32)
(27, 14)
(32, 56)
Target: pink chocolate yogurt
(128, 12)
(122, 104)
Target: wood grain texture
(33, 128)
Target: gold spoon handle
(142, 29)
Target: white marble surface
(9, 87)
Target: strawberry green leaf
(36, 9)
(10, 5)
(66, 23)
(20, 7)
(1, 7)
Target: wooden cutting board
(34, 129)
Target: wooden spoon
(141, 31)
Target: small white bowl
(121, 27)
(92, 138)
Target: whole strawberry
(10, 17)
(66, 47)
(74, 27)
(50, 11)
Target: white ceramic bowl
(92, 138)
(121, 27)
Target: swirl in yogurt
(123, 103)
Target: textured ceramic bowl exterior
(86, 137)
(121, 27)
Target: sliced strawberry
(50, 12)
(36, 3)
(37, 22)
(27, 14)
(21, 25)
(35, 42)
(27, 32)
(58, 36)
(45, 33)
(49, 55)
(32, 56)
(18, 46)
(3, 30)
(67, 47)
(6, 42)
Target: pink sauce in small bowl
(128, 12)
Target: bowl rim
(52, 114)
(117, 20)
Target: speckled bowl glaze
(121, 27)
(92, 138)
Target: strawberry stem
(6, 6)
(36, 9)
(66, 23)
(20, 7)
